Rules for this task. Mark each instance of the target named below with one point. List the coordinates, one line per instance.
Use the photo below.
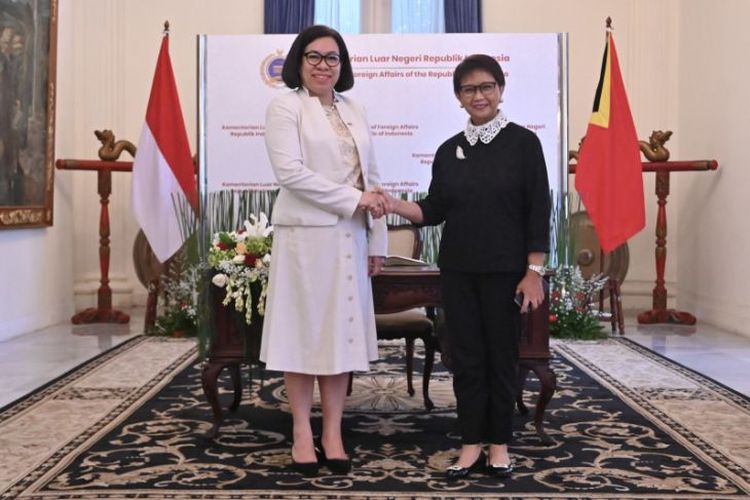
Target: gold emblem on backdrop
(270, 69)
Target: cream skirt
(319, 314)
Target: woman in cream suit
(319, 320)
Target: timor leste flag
(609, 178)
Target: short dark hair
(478, 62)
(290, 71)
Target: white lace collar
(487, 131)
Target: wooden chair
(616, 318)
(412, 324)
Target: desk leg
(523, 373)
(548, 381)
(209, 378)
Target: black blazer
(494, 199)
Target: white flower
(460, 153)
(258, 228)
(239, 259)
(267, 259)
(220, 280)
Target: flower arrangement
(180, 321)
(241, 260)
(571, 295)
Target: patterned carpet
(626, 423)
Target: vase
(231, 336)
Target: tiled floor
(33, 359)
(720, 355)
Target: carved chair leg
(614, 312)
(410, 365)
(151, 304)
(429, 361)
(618, 305)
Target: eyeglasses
(314, 58)
(485, 88)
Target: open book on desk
(399, 260)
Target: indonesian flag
(609, 177)
(164, 187)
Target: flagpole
(564, 127)
(201, 142)
(615, 312)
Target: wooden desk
(396, 289)
(400, 288)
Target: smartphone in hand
(518, 299)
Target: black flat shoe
(455, 472)
(305, 468)
(500, 470)
(339, 466)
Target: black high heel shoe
(455, 472)
(339, 466)
(306, 468)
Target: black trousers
(483, 329)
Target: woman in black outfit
(489, 185)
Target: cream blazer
(304, 153)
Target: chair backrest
(404, 240)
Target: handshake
(377, 202)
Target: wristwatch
(540, 270)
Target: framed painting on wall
(28, 42)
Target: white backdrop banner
(404, 82)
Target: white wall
(712, 241)
(107, 51)
(36, 278)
